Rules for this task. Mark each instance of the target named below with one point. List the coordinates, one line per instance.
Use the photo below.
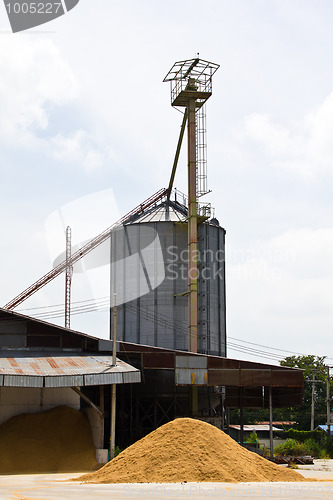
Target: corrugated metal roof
(32, 369)
(325, 428)
(255, 428)
(165, 212)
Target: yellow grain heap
(192, 451)
(58, 440)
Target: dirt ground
(54, 486)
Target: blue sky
(83, 109)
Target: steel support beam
(192, 230)
(87, 400)
(175, 162)
(88, 247)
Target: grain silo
(167, 262)
(149, 274)
(168, 281)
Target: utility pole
(113, 390)
(328, 403)
(313, 395)
(313, 400)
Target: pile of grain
(188, 450)
(58, 440)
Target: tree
(314, 368)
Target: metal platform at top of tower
(191, 79)
(191, 86)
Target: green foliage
(252, 438)
(117, 450)
(249, 416)
(313, 448)
(313, 366)
(321, 447)
(291, 448)
(326, 445)
(300, 436)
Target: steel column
(241, 417)
(270, 422)
(179, 145)
(328, 402)
(192, 230)
(114, 387)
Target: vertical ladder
(204, 293)
(68, 279)
(201, 146)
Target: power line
(103, 304)
(273, 348)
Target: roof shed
(34, 353)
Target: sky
(87, 130)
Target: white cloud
(304, 148)
(320, 146)
(282, 288)
(275, 138)
(77, 148)
(33, 76)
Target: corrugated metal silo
(149, 262)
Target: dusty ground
(51, 486)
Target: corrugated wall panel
(224, 377)
(187, 376)
(64, 381)
(103, 379)
(191, 362)
(22, 381)
(131, 377)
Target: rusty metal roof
(58, 369)
(255, 428)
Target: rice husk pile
(58, 440)
(188, 450)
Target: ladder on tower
(201, 146)
(68, 279)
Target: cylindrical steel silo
(149, 266)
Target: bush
(252, 438)
(312, 448)
(317, 443)
(300, 436)
(290, 447)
